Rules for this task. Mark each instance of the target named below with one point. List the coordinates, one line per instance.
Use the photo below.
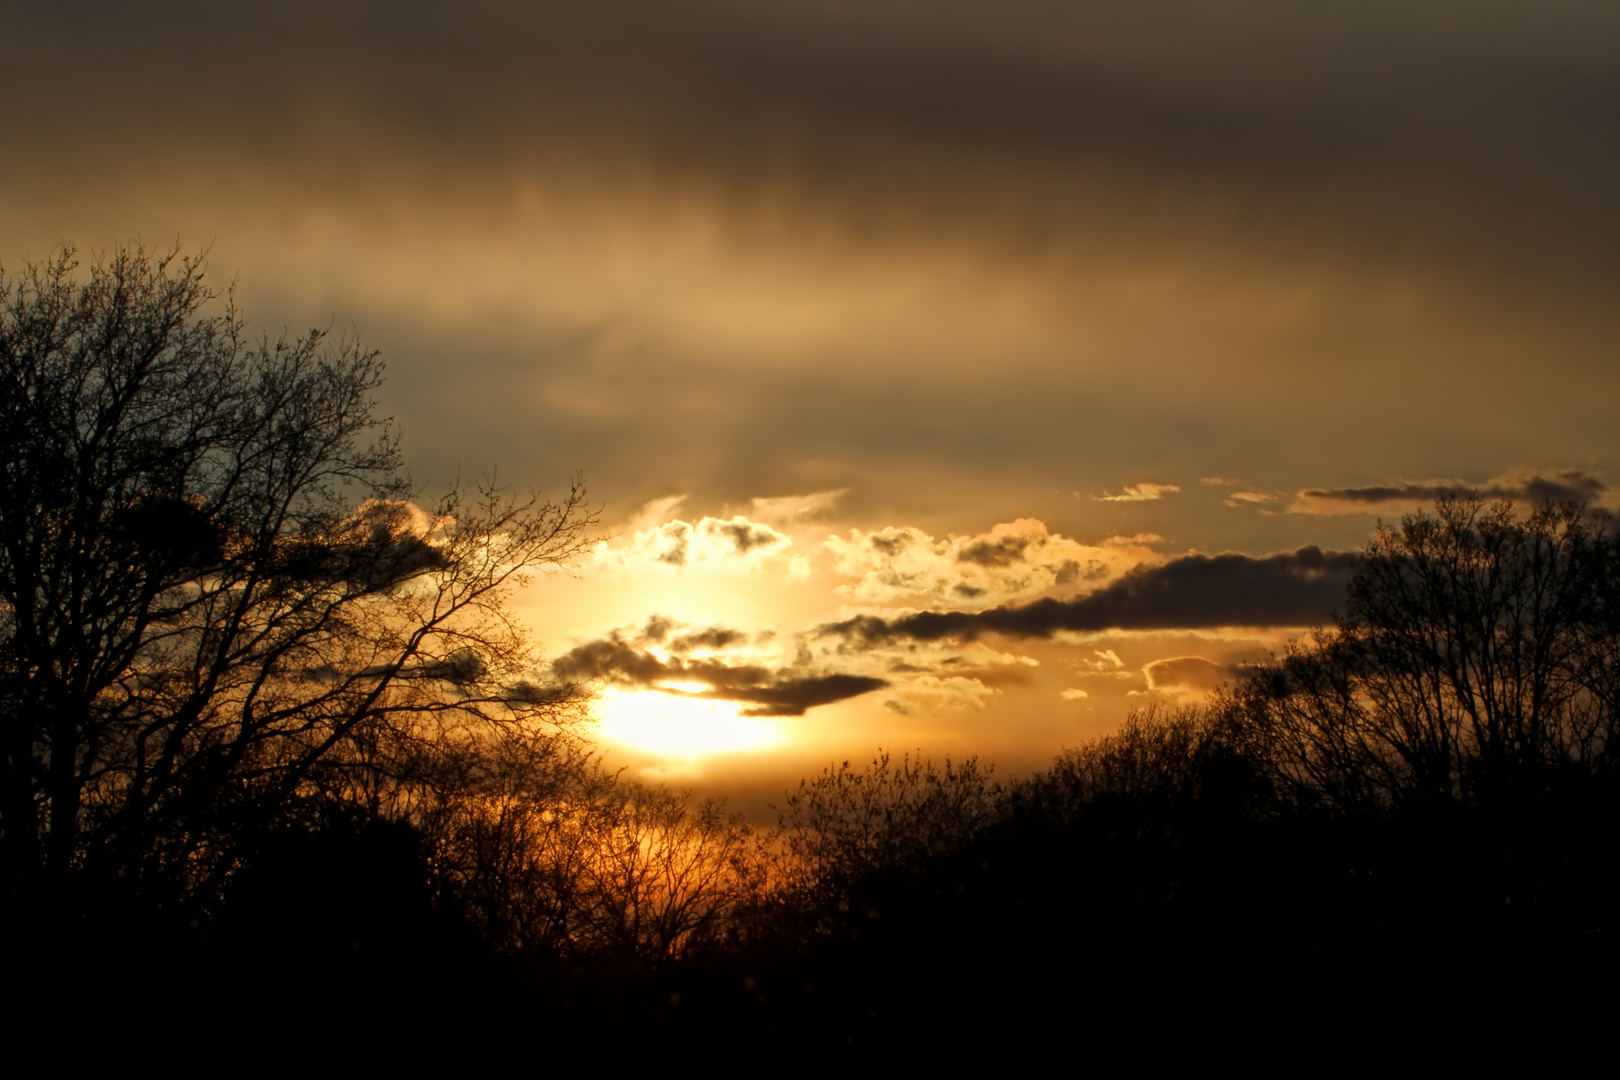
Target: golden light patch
(678, 727)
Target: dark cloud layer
(1569, 485)
(1294, 588)
(1411, 204)
(771, 693)
(1487, 123)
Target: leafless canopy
(217, 594)
(1477, 657)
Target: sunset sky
(871, 324)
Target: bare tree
(548, 854)
(217, 596)
(1476, 656)
(663, 873)
(1159, 762)
(848, 822)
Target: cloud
(868, 143)
(996, 552)
(972, 658)
(780, 692)
(1293, 588)
(745, 535)
(1249, 498)
(790, 509)
(1565, 485)
(1280, 102)
(792, 696)
(1186, 673)
(1107, 662)
(658, 629)
(1017, 559)
(929, 693)
(712, 637)
(728, 543)
(1143, 492)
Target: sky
(950, 376)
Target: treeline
(1412, 813)
(1406, 823)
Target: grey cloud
(461, 668)
(712, 637)
(1398, 122)
(792, 696)
(1294, 588)
(993, 554)
(1072, 571)
(1568, 485)
(614, 658)
(676, 554)
(745, 536)
(659, 629)
(890, 545)
(770, 693)
(1202, 142)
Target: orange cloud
(1143, 492)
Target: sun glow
(680, 727)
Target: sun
(681, 727)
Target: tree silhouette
(217, 599)
(1475, 660)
